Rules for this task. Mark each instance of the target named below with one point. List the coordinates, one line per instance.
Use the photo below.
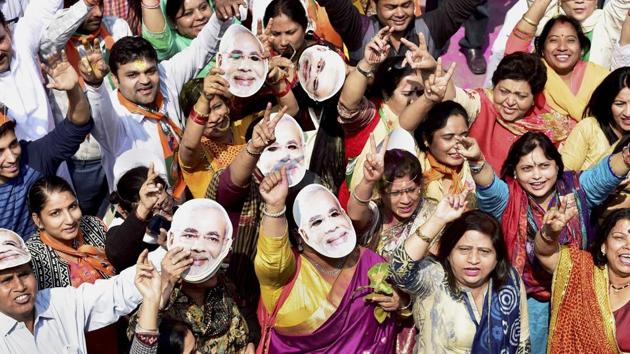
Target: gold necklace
(617, 289)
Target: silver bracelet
(476, 168)
(361, 201)
(274, 215)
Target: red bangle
(198, 118)
(287, 89)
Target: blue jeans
(538, 313)
(91, 186)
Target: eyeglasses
(412, 191)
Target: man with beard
(437, 26)
(73, 29)
(144, 111)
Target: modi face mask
(287, 151)
(241, 59)
(322, 222)
(203, 227)
(13, 251)
(321, 72)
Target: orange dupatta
(93, 256)
(439, 171)
(169, 133)
(71, 46)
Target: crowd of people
(298, 176)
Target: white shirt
(63, 315)
(118, 130)
(12, 10)
(22, 86)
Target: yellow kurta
(198, 174)
(435, 189)
(275, 265)
(585, 146)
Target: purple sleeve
(230, 195)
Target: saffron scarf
(170, 135)
(74, 58)
(498, 330)
(581, 319)
(439, 170)
(84, 254)
(540, 118)
(561, 98)
(521, 221)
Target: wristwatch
(367, 74)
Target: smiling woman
(68, 250)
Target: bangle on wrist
(529, 21)
(149, 6)
(361, 201)
(367, 73)
(198, 118)
(252, 153)
(476, 167)
(278, 93)
(406, 307)
(276, 215)
(423, 237)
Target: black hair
(388, 75)
(437, 118)
(293, 9)
(585, 43)
(599, 106)
(128, 188)
(172, 8)
(521, 66)
(7, 127)
(3, 21)
(474, 220)
(190, 94)
(399, 164)
(609, 223)
(128, 49)
(526, 144)
(172, 336)
(42, 188)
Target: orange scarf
(169, 133)
(93, 256)
(439, 171)
(74, 58)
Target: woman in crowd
(170, 26)
(211, 139)
(397, 83)
(499, 116)
(143, 213)
(68, 249)
(311, 301)
(445, 171)
(533, 179)
(590, 303)
(561, 44)
(606, 120)
(468, 298)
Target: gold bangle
(529, 21)
(424, 238)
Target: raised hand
(436, 85)
(468, 148)
(228, 8)
(150, 193)
(265, 37)
(175, 262)
(374, 165)
(451, 207)
(147, 279)
(280, 68)
(275, 188)
(557, 217)
(62, 74)
(214, 84)
(93, 67)
(263, 134)
(377, 49)
(418, 56)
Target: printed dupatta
(520, 224)
(499, 329)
